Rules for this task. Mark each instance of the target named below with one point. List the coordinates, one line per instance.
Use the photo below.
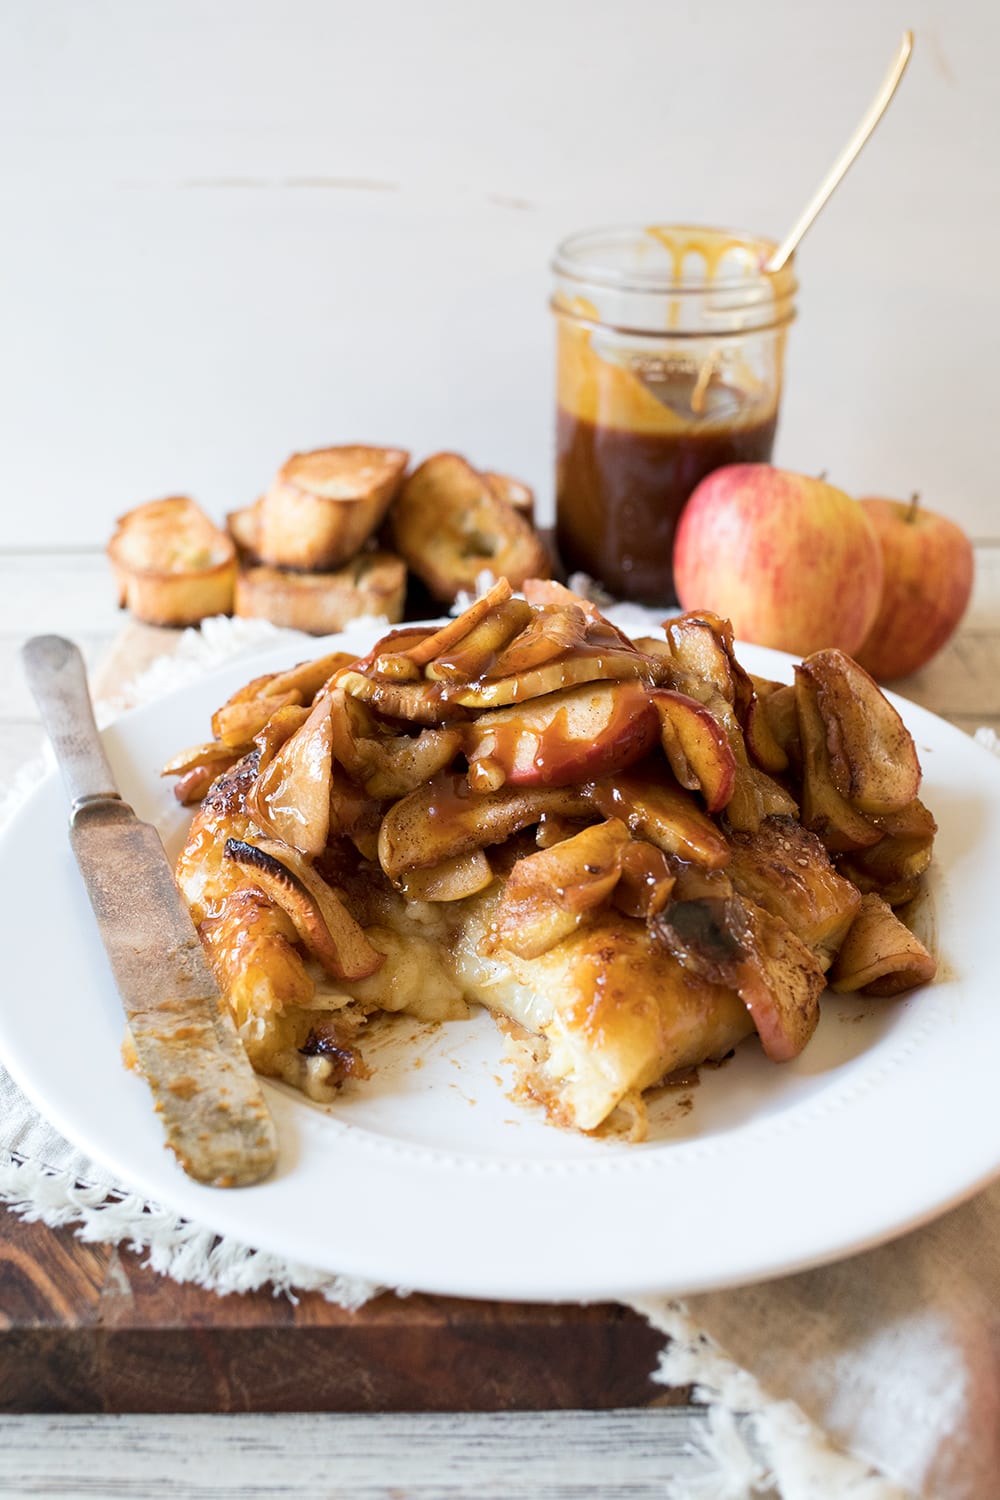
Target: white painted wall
(231, 228)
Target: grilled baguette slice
(450, 523)
(172, 565)
(324, 505)
(373, 583)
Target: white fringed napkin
(871, 1379)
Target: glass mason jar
(669, 364)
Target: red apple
(791, 561)
(928, 569)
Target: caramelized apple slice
(665, 815)
(310, 676)
(756, 796)
(448, 637)
(759, 732)
(290, 800)
(588, 663)
(646, 880)
(547, 895)
(872, 758)
(386, 765)
(418, 702)
(697, 747)
(452, 880)
(892, 868)
(824, 810)
(196, 782)
(476, 654)
(237, 723)
(785, 869)
(879, 955)
(550, 633)
(278, 731)
(702, 644)
(563, 738)
(732, 941)
(320, 919)
(213, 753)
(446, 818)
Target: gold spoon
(838, 171)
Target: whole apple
(928, 568)
(792, 561)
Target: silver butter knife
(209, 1100)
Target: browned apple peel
(562, 738)
(824, 810)
(321, 920)
(697, 747)
(879, 955)
(547, 895)
(871, 755)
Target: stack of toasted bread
(338, 535)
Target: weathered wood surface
(622, 1455)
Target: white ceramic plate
(427, 1175)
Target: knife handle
(58, 679)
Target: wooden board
(87, 1328)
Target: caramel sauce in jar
(669, 356)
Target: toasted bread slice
(172, 565)
(517, 494)
(242, 527)
(323, 506)
(450, 523)
(373, 583)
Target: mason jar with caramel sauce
(670, 347)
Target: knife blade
(209, 1100)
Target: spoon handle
(838, 171)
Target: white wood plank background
(235, 229)
(544, 1456)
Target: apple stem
(911, 514)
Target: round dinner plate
(428, 1176)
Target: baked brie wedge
(634, 855)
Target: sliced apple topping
(452, 880)
(871, 755)
(879, 955)
(734, 942)
(564, 737)
(785, 869)
(893, 867)
(475, 655)
(663, 814)
(319, 916)
(459, 629)
(646, 880)
(547, 895)
(829, 814)
(290, 799)
(447, 818)
(697, 747)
